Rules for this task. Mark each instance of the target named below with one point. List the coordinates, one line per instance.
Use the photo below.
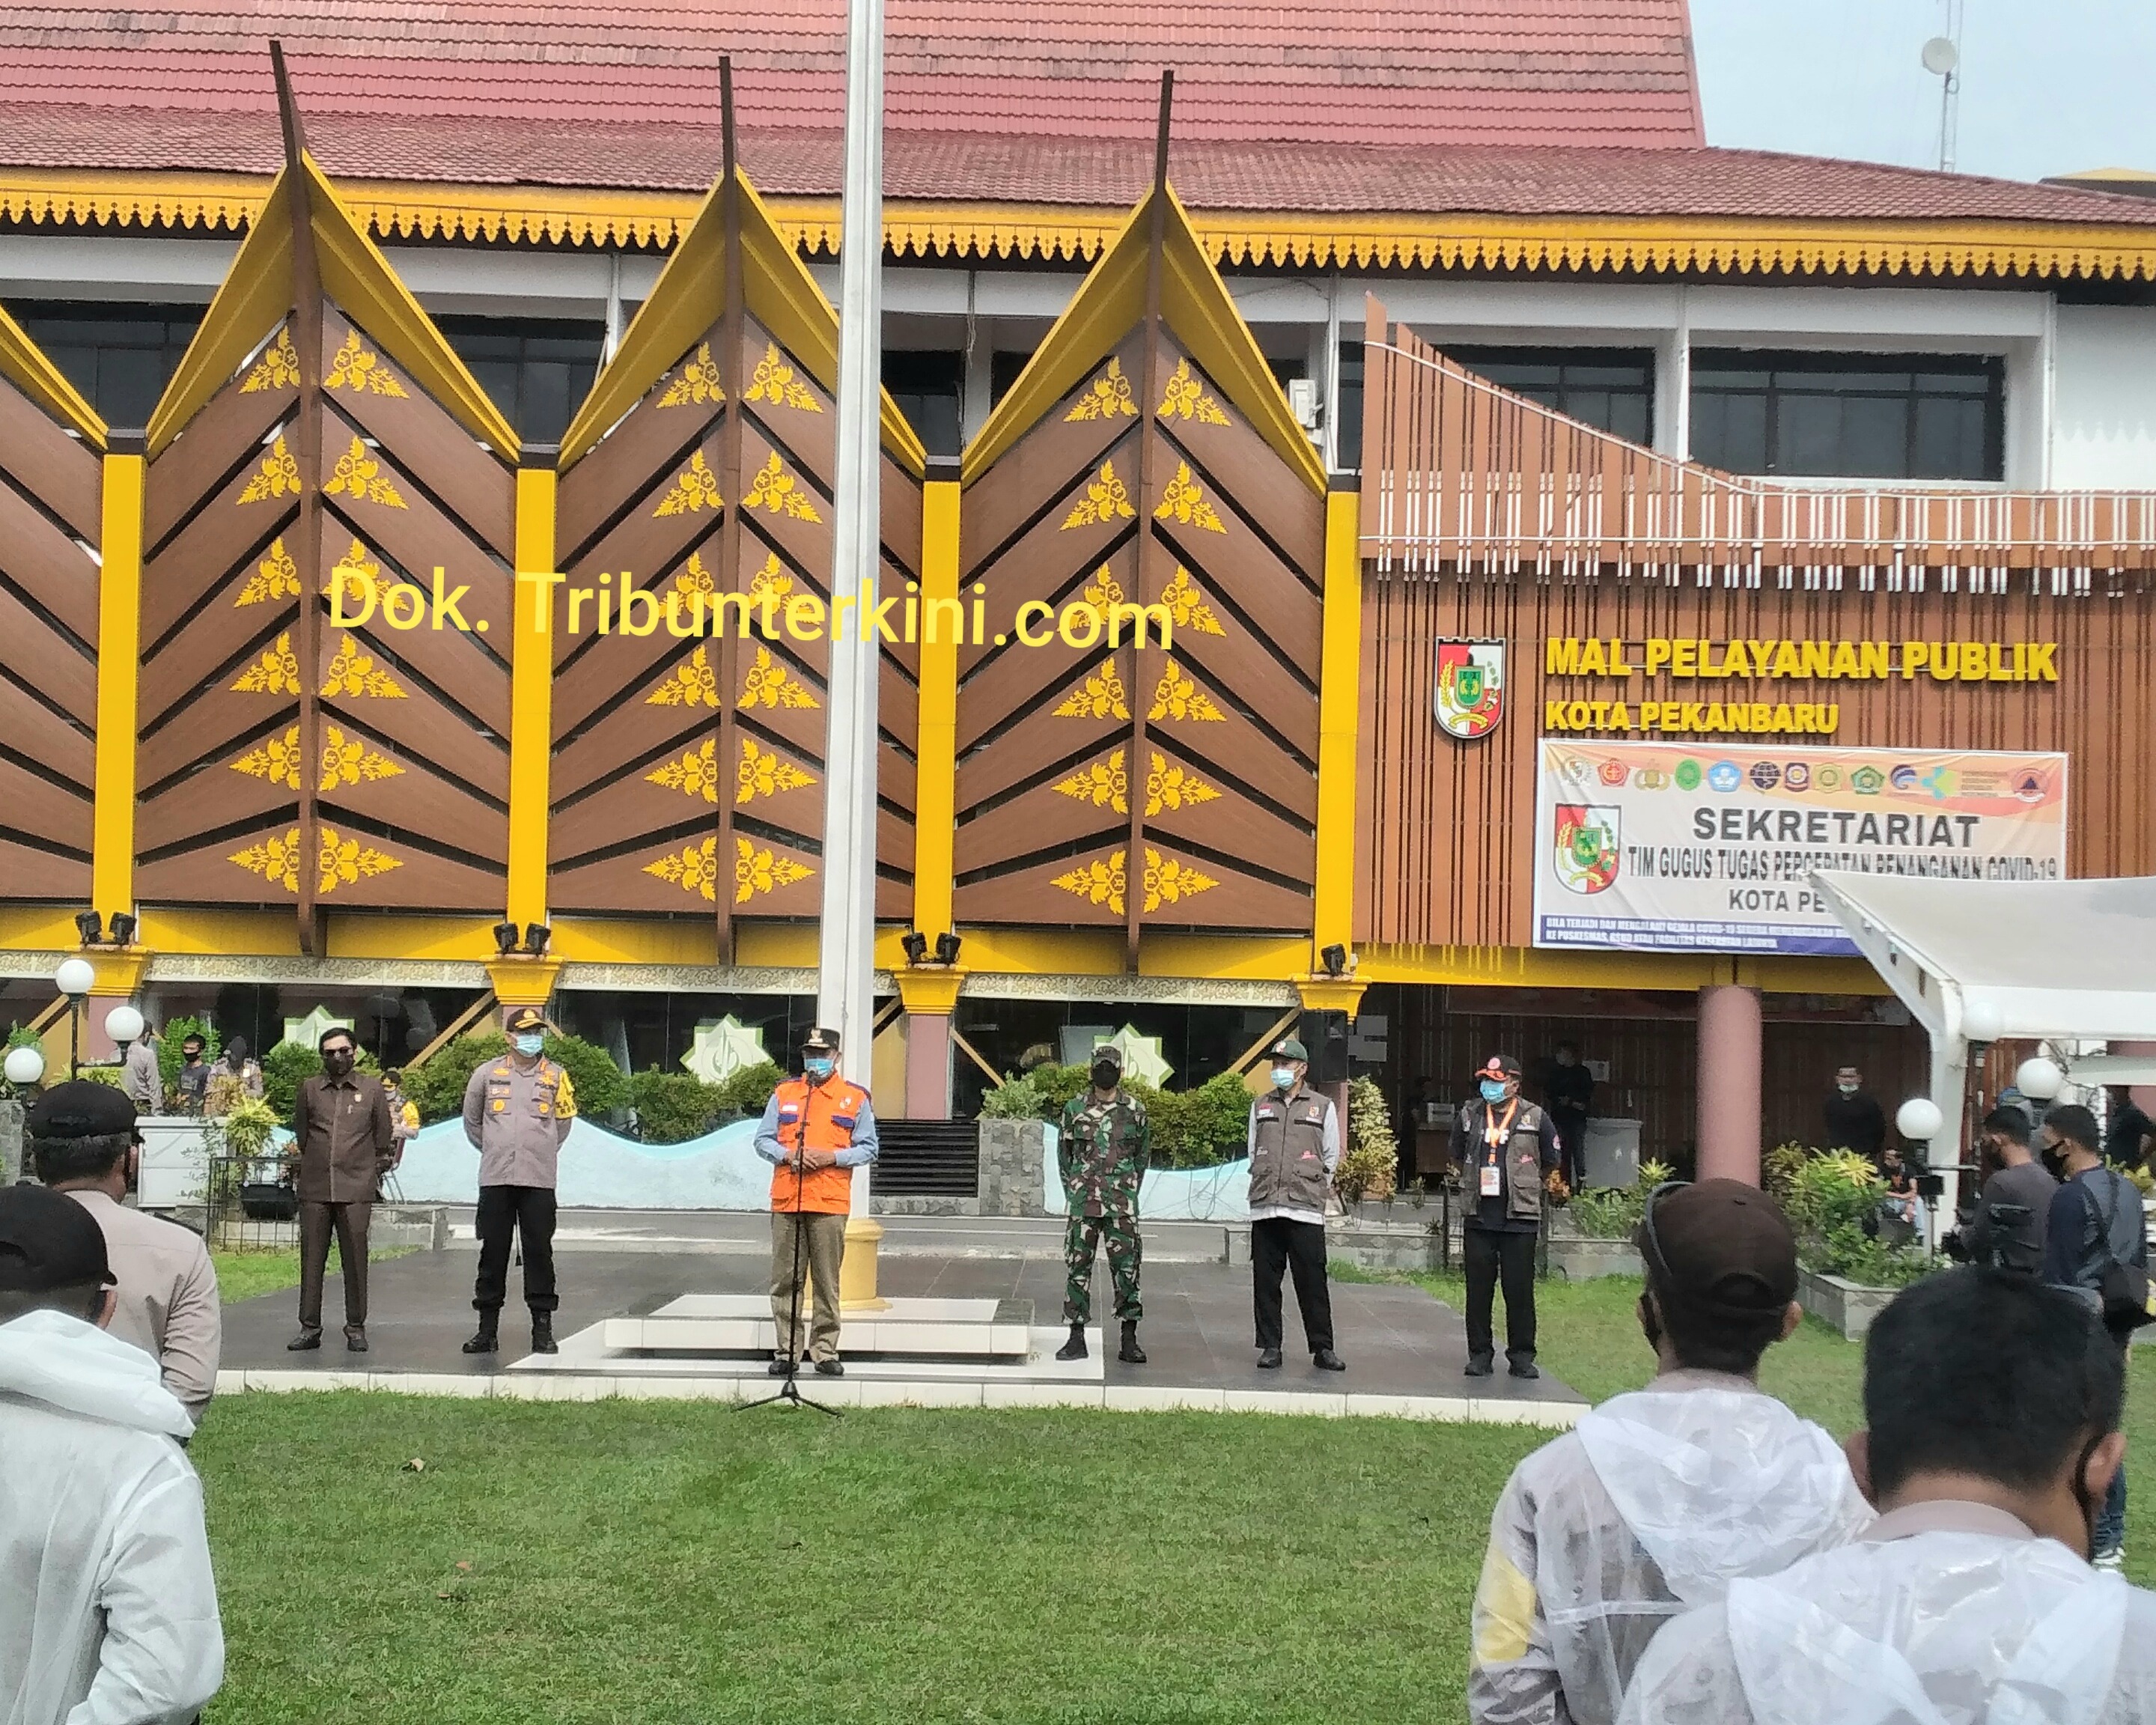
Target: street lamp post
(74, 978)
(2041, 1079)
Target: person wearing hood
(108, 1606)
(1659, 1499)
(1992, 1407)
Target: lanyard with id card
(1495, 1133)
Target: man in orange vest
(816, 1130)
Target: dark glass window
(1003, 367)
(119, 357)
(1347, 425)
(1849, 415)
(1612, 389)
(538, 370)
(928, 388)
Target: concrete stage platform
(1405, 1350)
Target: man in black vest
(1295, 1146)
(1504, 1147)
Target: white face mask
(1846, 1086)
(530, 1043)
(1283, 1078)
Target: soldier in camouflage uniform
(1102, 1153)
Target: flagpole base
(857, 1270)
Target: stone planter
(1577, 1257)
(1367, 1245)
(1013, 1158)
(1849, 1306)
(10, 1143)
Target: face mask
(1493, 1089)
(1650, 1326)
(531, 1042)
(337, 1061)
(1105, 1074)
(817, 1066)
(1847, 1090)
(1283, 1078)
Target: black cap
(80, 1109)
(1722, 1247)
(525, 1019)
(48, 1240)
(1499, 1065)
(820, 1040)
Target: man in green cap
(1102, 1150)
(1295, 1146)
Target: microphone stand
(790, 1390)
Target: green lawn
(241, 1275)
(656, 1562)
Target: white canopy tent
(2063, 960)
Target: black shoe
(1524, 1368)
(486, 1341)
(1325, 1360)
(778, 1367)
(542, 1334)
(1075, 1348)
(355, 1341)
(1130, 1353)
(1479, 1365)
(831, 1368)
(1269, 1360)
(305, 1340)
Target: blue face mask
(530, 1042)
(817, 1066)
(1493, 1089)
(1283, 1078)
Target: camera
(2009, 1242)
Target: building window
(119, 357)
(1610, 388)
(929, 389)
(1849, 415)
(1348, 415)
(537, 370)
(1005, 366)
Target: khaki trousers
(822, 1248)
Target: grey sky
(2048, 86)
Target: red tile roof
(1587, 72)
(1514, 180)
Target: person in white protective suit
(108, 1609)
(1658, 1499)
(1993, 1405)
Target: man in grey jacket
(1293, 1147)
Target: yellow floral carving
(698, 383)
(1100, 698)
(353, 673)
(696, 488)
(361, 371)
(276, 577)
(362, 578)
(358, 475)
(1167, 882)
(1098, 882)
(693, 772)
(339, 862)
(769, 683)
(1185, 398)
(761, 773)
(775, 488)
(1173, 788)
(1103, 784)
(695, 868)
(1185, 500)
(276, 672)
(345, 760)
(278, 760)
(1187, 607)
(693, 683)
(1177, 696)
(693, 578)
(1109, 397)
(1106, 499)
(1103, 590)
(278, 474)
(774, 382)
(772, 578)
(278, 367)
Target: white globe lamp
(76, 977)
(123, 1024)
(1918, 1120)
(1983, 1022)
(25, 1066)
(2039, 1079)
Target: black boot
(1130, 1353)
(488, 1339)
(1075, 1348)
(543, 1333)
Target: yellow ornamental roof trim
(1075, 234)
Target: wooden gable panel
(49, 567)
(1210, 429)
(60, 472)
(235, 427)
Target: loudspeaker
(1325, 1034)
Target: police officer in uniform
(517, 1112)
(1102, 1148)
(1295, 1146)
(1506, 1148)
(816, 1130)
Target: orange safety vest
(816, 1117)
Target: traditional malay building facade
(1440, 544)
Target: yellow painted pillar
(531, 690)
(936, 791)
(119, 668)
(1339, 710)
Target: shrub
(747, 1089)
(284, 1069)
(1040, 1094)
(1778, 1170)
(1200, 1127)
(439, 1086)
(1833, 1188)
(245, 1130)
(177, 1031)
(1370, 1163)
(1614, 1212)
(673, 1107)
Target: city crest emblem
(1471, 686)
(1586, 849)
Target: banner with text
(1660, 847)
